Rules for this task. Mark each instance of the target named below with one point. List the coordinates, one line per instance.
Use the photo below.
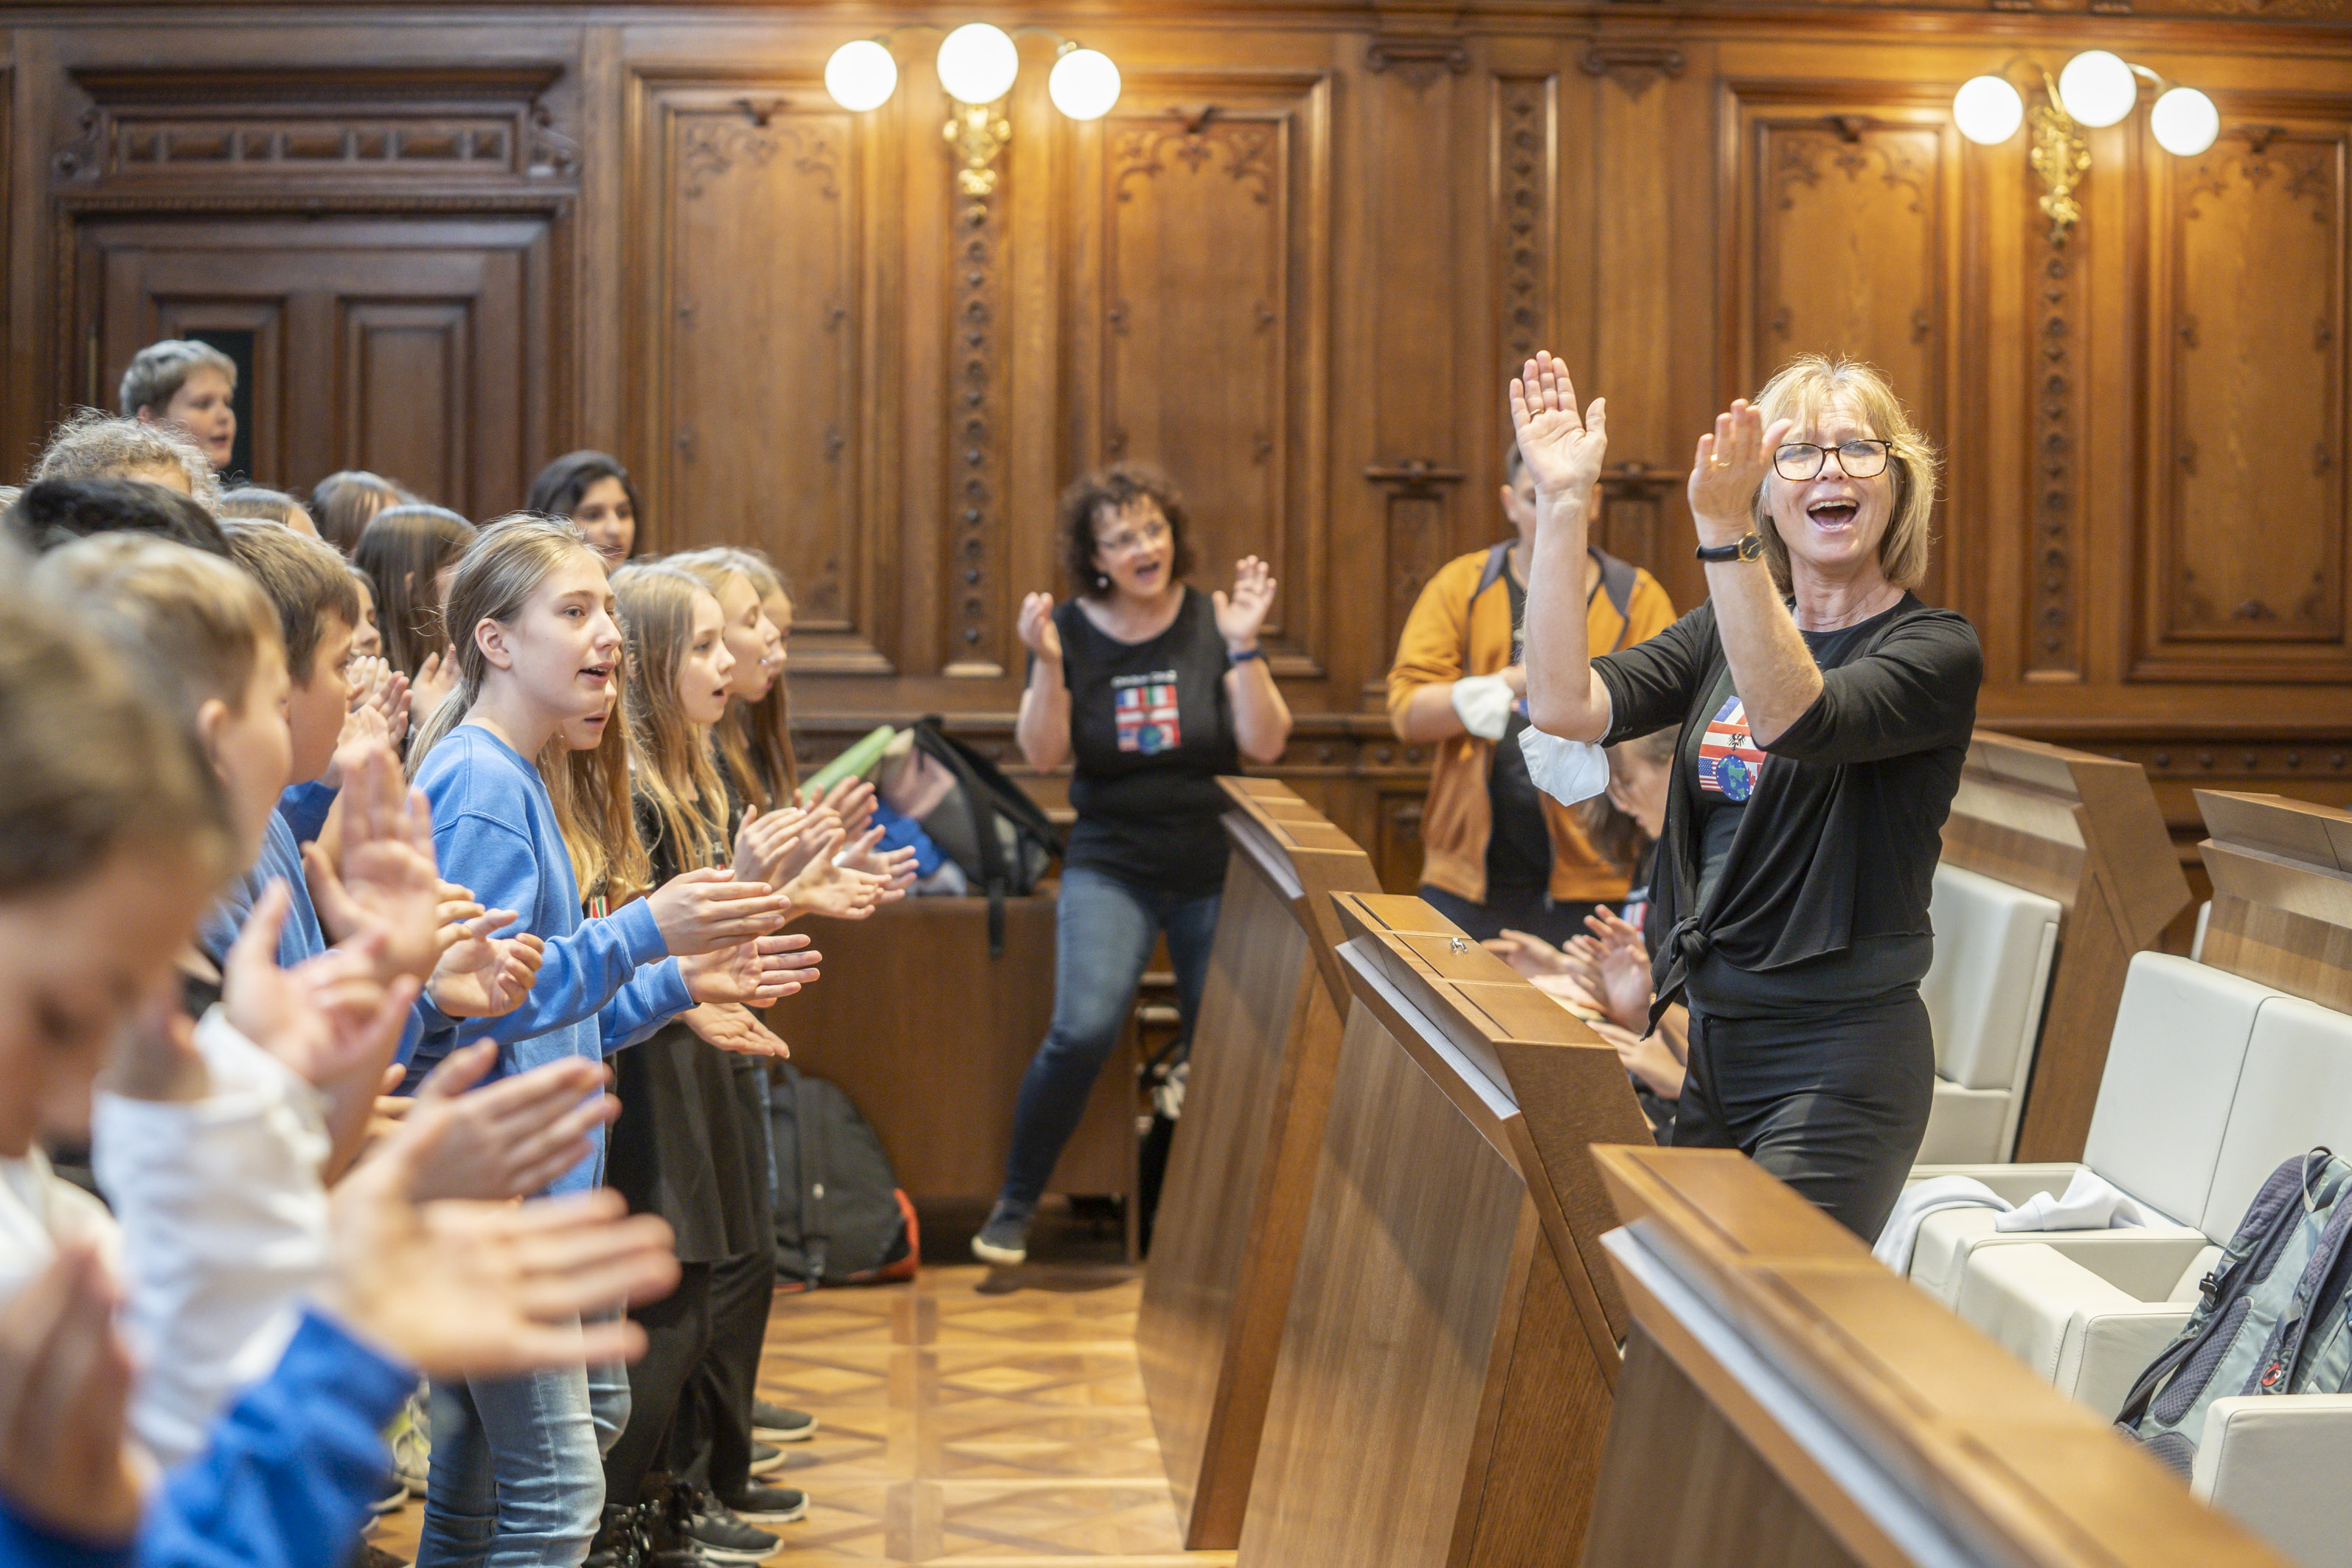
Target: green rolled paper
(856, 763)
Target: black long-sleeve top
(1838, 842)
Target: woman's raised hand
(1729, 466)
(1563, 449)
(436, 679)
(1242, 612)
(1037, 629)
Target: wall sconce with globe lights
(978, 64)
(2093, 89)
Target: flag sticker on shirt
(1147, 718)
(1728, 756)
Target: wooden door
(415, 347)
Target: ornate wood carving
(178, 125)
(2254, 407)
(1202, 198)
(1418, 60)
(1632, 66)
(1525, 178)
(757, 322)
(976, 455)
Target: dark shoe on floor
(771, 1505)
(1003, 1241)
(766, 1458)
(620, 1541)
(777, 1424)
(714, 1531)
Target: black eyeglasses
(1858, 459)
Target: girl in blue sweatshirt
(517, 1482)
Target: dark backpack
(2269, 1317)
(1001, 838)
(841, 1218)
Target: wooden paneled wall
(1294, 265)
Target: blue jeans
(518, 1477)
(1103, 929)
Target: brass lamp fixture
(977, 65)
(2095, 89)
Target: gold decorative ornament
(978, 133)
(2061, 158)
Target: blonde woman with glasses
(1825, 714)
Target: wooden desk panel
(1444, 1377)
(1786, 1399)
(2086, 832)
(930, 1035)
(1233, 1205)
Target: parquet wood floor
(966, 1420)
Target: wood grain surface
(1777, 1321)
(2084, 831)
(1233, 1209)
(929, 1036)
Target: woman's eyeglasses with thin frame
(1857, 460)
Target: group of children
(333, 879)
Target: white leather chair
(2155, 1132)
(2091, 1318)
(1994, 947)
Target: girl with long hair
(408, 554)
(516, 1480)
(680, 1148)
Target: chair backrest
(1994, 945)
(2294, 1093)
(2172, 1072)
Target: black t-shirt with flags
(1150, 729)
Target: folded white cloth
(2089, 1203)
(1484, 703)
(1918, 1200)
(1568, 770)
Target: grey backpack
(2271, 1315)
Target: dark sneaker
(620, 1541)
(712, 1528)
(778, 1425)
(771, 1505)
(765, 1457)
(1003, 1241)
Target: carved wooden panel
(759, 313)
(2249, 405)
(406, 393)
(1197, 335)
(418, 346)
(203, 122)
(1846, 244)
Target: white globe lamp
(1988, 110)
(2185, 121)
(1084, 84)
(861, 76)
(2098, 88)
(978, 63)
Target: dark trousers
(1834, 1105)
(678, 1336)
(1103, 931)
(1529, 910)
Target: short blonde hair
(1796, 390)
(95, 445)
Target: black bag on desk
(1001, 838)
(841, 1216)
